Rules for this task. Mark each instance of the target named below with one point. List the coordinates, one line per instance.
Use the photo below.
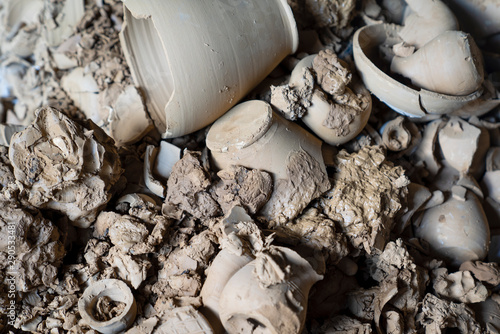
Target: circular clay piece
(240, 127)
(115, 291)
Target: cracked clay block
(366, 195)
(63, 166)
(253, 136)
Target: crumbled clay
(240, 186)
(61, 165)
(38, 248)
(187, 187)
(363, 207)
(305, 181)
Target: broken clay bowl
(195, 59)
(117, 291)
(400, 97)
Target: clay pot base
(403, 99)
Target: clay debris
(365, 197)
(61, 165)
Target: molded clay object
(118, 292)
(401, 98)
(185, 320)
(464, 146)
(456, 230)
(320, 108)
(224, 266)
(488, 313)
(426, 20)
(268, 295)
(450, 64)
(195, 59)
(253, 136)
(398, 135)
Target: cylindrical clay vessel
(249, 304)
(252, 135)
(194, 59)
(117, 291)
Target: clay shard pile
(253, 224)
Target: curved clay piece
(480, 18)
(117, 291)
(401, 98)
(320, 108)
(426, 20)
(253, 136)
(256, 300)
(456, 230)
(151, 182)
(488, 313)
(224, 266)
(493, 159)
(185, 320)
(168, 43)
(449, 64)
(491, 181)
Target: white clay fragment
(108, 306)
(65, 167)
(168, 155)
(456, 230)
(7, 131)
(426, 20)
(182, 45)
(253, 136)
(403, 99)
(461, 73)
(463, 145)
(153, 184)
(269, 294)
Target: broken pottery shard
(187, 187)
(366, 195)
(153, 184)
(62, 166)
(249, 188)
(464, 146)
(168, 155)
(163, 65)
(82, 88)
(36, 253)
(253, 136)
(7, 131)
(131, 269)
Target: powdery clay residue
(366, 195)
(61, 165)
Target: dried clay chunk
(63, 166)
(366, 195)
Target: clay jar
(224, 266)
(247, 304)
(456, 230)
(401, 98)
(319, 109)
(117, 291)
(451, 63)
(194, 59)
(253, 136)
